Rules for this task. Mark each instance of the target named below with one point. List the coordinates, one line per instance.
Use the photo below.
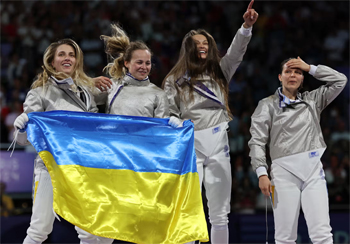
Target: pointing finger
(250, 5)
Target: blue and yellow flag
(122, 177)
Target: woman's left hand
(250, 16)
(103, 83)
(175, 122)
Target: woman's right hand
(265, 185)
(103, 83)
(21, 121)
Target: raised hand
(103, 83)
(298, 63)
(250, 16)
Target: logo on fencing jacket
(314, 154)
(226, 148)
(216, 129)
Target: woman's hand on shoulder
(103, 83)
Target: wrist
(245, 25)
(260, 171)
(312, 70)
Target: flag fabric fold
(122, 177)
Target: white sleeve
(246, 31)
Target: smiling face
(140, 64)
(202, 45)
(64, 60)
(291, 79)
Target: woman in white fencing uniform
(197, 89)
(131, 92)
(289, 123)
(62, 85)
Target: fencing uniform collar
(131, 80)
(284, 101)
(64, 84)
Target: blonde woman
(62, 85)
(132, 92)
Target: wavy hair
(190, 63)
(120, 49)
(79, 76)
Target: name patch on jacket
(314, 154)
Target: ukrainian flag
(122, 177)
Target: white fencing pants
(87, 238)
(214, 170)
(291, 193)
(42, 219)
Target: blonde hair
(79, 76)
(120, 49)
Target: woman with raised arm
(289, 123)
(197, 89)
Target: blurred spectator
(4, 111)
(335, 43)
(16, 110)
(6, 206)
(247, 197)
(91, 46)
(15, 67)
(340, 133)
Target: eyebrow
(65, 52)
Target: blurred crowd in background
(317, 31)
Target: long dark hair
(190, 63)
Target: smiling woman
(64, 60)
(197, 89)
(62, 85)
(202, 45)
(140, 64)
(131, 93)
